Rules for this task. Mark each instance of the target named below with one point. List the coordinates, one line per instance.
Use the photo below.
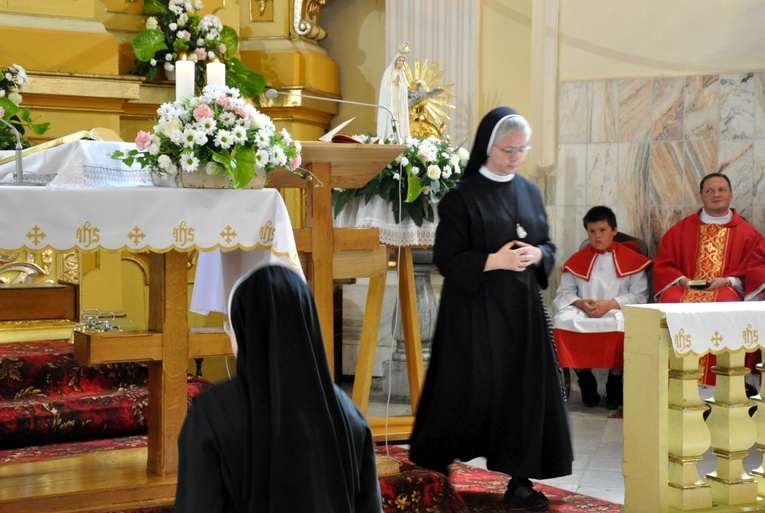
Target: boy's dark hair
(600, 213)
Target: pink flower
(426, 154)
(201, 53)
(203, 111)
(184, 34)
(242, 112)
(295, 162)
(142, 140)
(222, 48)
(224, 101)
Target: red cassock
(595, 346)
(697, 250)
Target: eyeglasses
(512, 151)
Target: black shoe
(441, 469)
(614, 392)
(524, 496)
(589, 387)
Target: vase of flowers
(215, 140)
(173, 29)
(414, 181)
(12, 81)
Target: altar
(168, 223)
(666, 428)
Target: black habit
(493, 385)
(280, 436)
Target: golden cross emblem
(716, 339)
(136, 235)
(229, 234)
(35, 235)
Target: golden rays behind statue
(428, 100)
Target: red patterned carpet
(468, 489)
(482, 491)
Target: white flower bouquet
(217, 132)
(416, 180)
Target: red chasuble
(706, 251)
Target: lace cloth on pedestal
(378, 213)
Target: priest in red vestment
(712, 255)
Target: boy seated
(596, 282)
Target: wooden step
(101, 482)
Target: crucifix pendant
(520, 231)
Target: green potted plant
(174, 29)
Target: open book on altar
(333, 136)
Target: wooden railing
(666, 435)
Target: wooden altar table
(168, 223)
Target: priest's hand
(718, 283)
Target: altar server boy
(596, 282)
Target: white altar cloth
(157, 219)
(379, 214)
(82, 163)
(702, 328)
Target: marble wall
(641, 146)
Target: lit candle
(216, 73)
(184, 79)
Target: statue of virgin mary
(394, 88)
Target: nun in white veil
(394, 88)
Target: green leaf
(229, 38)
(153, 7)
(147, 43)
(239, 164)
(249, 83)
(414, 187)
(416, 215)
(9, 107)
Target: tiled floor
(598, 443)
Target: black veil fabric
(483, 136)
(299, 443)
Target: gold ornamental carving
(305, 19)
(428, 100)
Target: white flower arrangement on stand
(216, 133)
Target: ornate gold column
(279, 39)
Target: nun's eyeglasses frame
(523, 150)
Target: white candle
(184, 79)
(216, 73)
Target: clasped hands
(596, 308)
(514, 256)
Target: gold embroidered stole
(710, 261)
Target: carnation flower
(142, 140)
